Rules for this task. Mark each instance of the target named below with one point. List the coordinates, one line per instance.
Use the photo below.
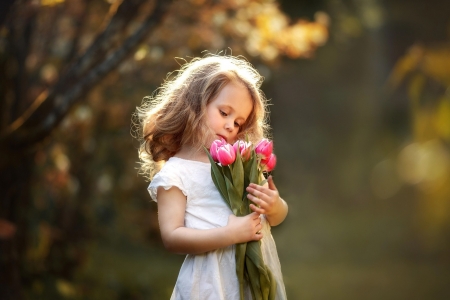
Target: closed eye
(223, 113)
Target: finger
(254, 186)
(254, 199)
(258, 227)
(254, 215)
(261, 194)
(260, 191)
(258, 236)
(257, 209)
(271, 183)
(258, 202)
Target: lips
(222, 137)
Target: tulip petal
(268, 164)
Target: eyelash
(235, 123)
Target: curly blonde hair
(174, 115)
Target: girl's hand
(266, 198)
(245, 229)
(268, 201)
(180, 239)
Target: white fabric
(211, 275)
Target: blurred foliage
(425, 73)
(355, 173)
(91, 231)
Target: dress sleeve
(168, 177)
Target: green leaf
(219, 181)
(227, 173)
(273, 285)
(248, 163)
(254, 254)
(244, 209)
(240, 266)
(253, 174)
(233, 196)
(253, 279)
(246, 166)
(238, 175)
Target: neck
(192, 153)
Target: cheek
(210, 116)
(234, 135)
(206, 133)
(208, 119)
(209, 122)
(206, 123)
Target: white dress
(211, 275)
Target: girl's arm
(179, 239)
(269, 202)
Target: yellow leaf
(442, 119)
(51, 2)
(415, 88)
(65, 288)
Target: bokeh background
(360, 111)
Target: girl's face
(228, 111)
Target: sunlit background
(360, 111)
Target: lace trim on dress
(153, 191)
(166, 178)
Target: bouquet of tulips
(233, 168)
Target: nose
(228, 126)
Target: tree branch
(103, 43)
(58, 102)
(96, 52)
(79, 28)
(22, 49)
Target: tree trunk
(14, 201)
(19, 139)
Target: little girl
(215, 97)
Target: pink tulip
(214, 146)
(269, 163)
(226, 154)
(244, 148)
(264, 148)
